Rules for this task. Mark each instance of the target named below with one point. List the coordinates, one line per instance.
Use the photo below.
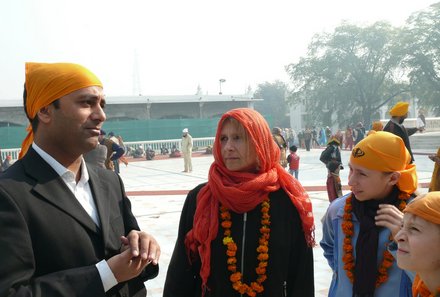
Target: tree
(349, 74)
(420, 42)
(274, 104)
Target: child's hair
(293, 148)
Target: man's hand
(125, 267)
(138, 250)
(142, 244)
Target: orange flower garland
(348, 230)
(263, 249)
(423, 291)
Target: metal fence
(156, 145)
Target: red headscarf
(243, 191)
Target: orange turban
(386, 152)
(377, 126)
(46, 83)
(426, 206)
(400, 109)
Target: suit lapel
(100, 195)
(52, 188)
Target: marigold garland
(236, 277)
(423, 291)
(348, 230)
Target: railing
(12, 152)
(156, 145)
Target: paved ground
(158, 188)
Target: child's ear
(394, 177)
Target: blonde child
(418, 243)
(358, 227)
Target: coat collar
(50, 187)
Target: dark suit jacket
(49, 245)
(403, 133)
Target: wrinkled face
(418, 242)
(367, 184)
(238, 153)
(73, 128)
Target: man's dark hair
(293, 148)
(34, 121)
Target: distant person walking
(282, 144)
(293, 160)
(421, 121)
(187, 145)
(114, 151)
(322, 137)
(359, 133)
(308, 138)
(399, 113)
(349, 141)
(331, 157)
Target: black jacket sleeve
(182, 278)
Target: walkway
(158, 188)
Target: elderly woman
(418, 242)
(249, 230)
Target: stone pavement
(157, 190)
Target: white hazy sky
(176, 44)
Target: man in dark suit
(66, 229)
(399, 112)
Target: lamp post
(221, 80)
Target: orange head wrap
(386, 152)
(426, 206)
(243, 191)
(47, 82)
(400, 109)
(377, 126)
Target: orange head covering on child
(386, 152)
(243, 191)
(399, 109)
(47, 82)
(426, 206)
(377, 126)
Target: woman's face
(237, 152)
(418, 242)
(367, 184)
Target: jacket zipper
(243, 241)
(285, 289)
